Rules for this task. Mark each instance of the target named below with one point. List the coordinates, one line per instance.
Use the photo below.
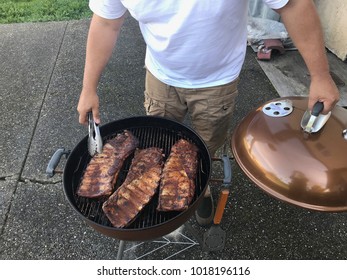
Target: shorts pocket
(221, 108)
(153, 107)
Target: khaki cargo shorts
(210, 109)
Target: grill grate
(148, 137)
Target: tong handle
(95, 140)
(90, 124)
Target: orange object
(221, 206)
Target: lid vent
(278, 108)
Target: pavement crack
(43, 100)
(8, 178)
(38, 181)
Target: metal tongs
(94, 139)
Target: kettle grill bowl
(150, 223)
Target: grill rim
(143, 122)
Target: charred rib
(137, 190)
(102, 171)
(177, 186)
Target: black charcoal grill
(150, 223)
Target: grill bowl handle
(227, 170)
(54, 161)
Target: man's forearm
(304, 27)
(101, 41)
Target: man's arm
(303, 25)
(102, 37)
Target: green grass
(15, 11)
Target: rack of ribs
(102, 171)
(177, 185)
(138, 188)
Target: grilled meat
(102, 171)
(136, 191)
(177, 185)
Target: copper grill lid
(275, 153)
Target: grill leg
(120, 249)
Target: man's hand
(88, 102)
(323, 88)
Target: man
(195, 51)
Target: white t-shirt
(190, 43)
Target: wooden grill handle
(222, 200)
